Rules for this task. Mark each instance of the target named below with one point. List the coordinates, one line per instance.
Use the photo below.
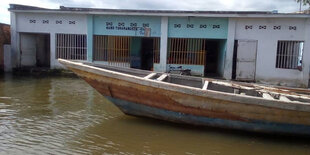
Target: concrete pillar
(90, 32)
(7, 58)
(163, 44)
(230, 48)
(53, 60)
(15, 52)
(306, 55)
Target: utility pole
(300, 6)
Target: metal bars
(186, 51)
(156, 51)
(289, 54)
(71, 46)
(113, 49)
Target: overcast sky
(212, 5)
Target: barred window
(289, 54)
(71, 46)
(186, 51)
(156, 50)
(112, 48)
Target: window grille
(71, 46)
(156, 51)
(289, 54)
(186, 51)
(112, 49)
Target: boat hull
(139, 97)
(141, 110)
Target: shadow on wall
(5, 38)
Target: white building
(264, 47)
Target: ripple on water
(66, 116)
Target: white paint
(24, 25)
(163, 44)
(20, 23)
(246, 59)
(266, 48)
(268, 38)
(230, 48)
(7, 58)
(14, 42)
(306, 54)
(116, 64)
(28, 50)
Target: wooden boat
(199, 101)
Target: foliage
(304, 2)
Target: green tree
(303, 2)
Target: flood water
(64, 115)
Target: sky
(283, 6)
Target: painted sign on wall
(127, 25)
(197, 27)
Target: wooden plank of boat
(267, 96)
(162, 77)
(150, 75)
(283, 98)
(205, 85)
(183, 99)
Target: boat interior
(241, 88)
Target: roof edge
(26, 8)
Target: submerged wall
(5, 38)
(46, 23)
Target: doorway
(215, 55)
(147, 54)
(34, 50)
(142, 53)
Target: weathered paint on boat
(150, 98)
(136, 109)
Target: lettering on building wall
(132, 27)
(262, 27)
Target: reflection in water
(64, 115)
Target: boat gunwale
(238, 98)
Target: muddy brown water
(64, 115)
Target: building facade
(264, 47)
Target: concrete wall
(221, 58)
(183, 27)
(4, 39)
(126, 25)
(45, 23)
(195, 27)
(7, 58)
(266, 72)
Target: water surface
(63, 115)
